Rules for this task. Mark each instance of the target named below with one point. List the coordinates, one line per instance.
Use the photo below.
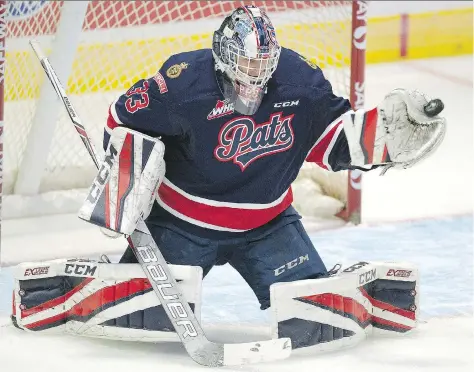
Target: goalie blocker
(115, 301)
(125, 187)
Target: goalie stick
(190, 332)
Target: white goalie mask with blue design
(246, 55)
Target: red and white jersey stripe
(113, 120)
(216, 215)
(323, 146)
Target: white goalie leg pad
(103, 300)
(342, 310)
(124, 189)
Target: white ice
(422, 215)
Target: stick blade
(256, 352)
(35, 45)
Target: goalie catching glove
(125, 187)
(402, 130)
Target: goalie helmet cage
(100, 48)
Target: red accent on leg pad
(387, 307)
(125, 174)
(96, 301)
(342, 304)
(56, 301)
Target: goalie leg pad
(125, 187)
(342, 310)
(86, 298)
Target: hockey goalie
(205, 151)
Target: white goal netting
(119, 43)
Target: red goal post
(352, 211)
(3, 32)
(100, 48)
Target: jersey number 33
(138, 98)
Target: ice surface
(432, 202)
(442, 345)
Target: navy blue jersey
(226, 171)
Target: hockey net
(118, 42)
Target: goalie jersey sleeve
(325, 142)
(145, 109)
(328, 143)
(329, 148)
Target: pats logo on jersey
(222, 108)
(242, 141)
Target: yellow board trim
(109, 67)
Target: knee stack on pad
(96, 299)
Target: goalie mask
(246, 54)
